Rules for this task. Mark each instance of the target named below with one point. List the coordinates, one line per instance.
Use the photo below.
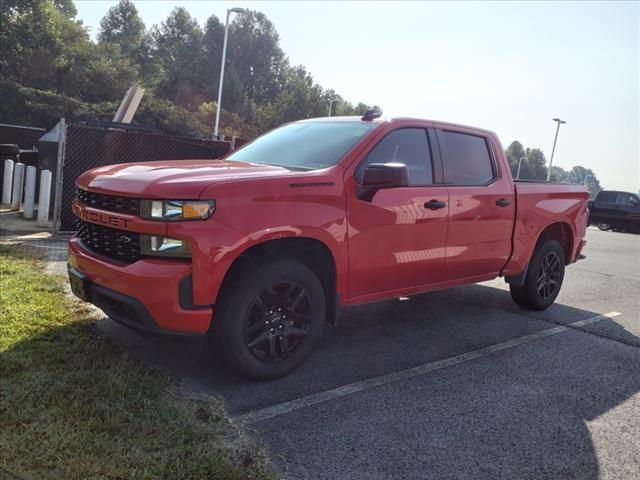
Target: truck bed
(540, 205)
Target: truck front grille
(118, 245)
(111, 203)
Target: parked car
(260, 249)
(613, 210)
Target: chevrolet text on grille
(101, 218)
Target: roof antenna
(371, 114)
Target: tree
(122, 26)
(514, 153)
(580, 174)
(299, 98)
(41, 42)
(359, 109)
(534, 168)
(537, 164)
(255, 54)
(233, 93)
(107, 73)
(50, 67)
(212, 44)
(558, 175)
(177, 47)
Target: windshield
(306, 145)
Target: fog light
(157, 246)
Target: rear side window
(408, 146)
(468, 161)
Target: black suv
(612, 210)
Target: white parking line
(349, 389)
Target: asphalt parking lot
(453, 384)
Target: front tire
(544, 278)
(603, 226)
(270, 317)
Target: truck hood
(184, 179)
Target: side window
(625, 199)
(408, 146)
(606, 197)
(468, 161)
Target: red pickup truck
(260, 249)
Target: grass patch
(74, 407)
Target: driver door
(397, 239)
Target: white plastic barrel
(44, 197)
(7, 180)
(18, 181)
(29, 192)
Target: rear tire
(603, 226)
(270, 317)
(543, 279)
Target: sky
(510, 67)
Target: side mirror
(634, 201)
(382, 175)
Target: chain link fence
(86, 146)
(25, 137)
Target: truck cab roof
(382, 119)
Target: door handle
(435, 204)
(503, 202)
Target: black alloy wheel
(543, 278)
(548, 275)
(270, 316)
(277, 321)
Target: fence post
(233, 144)
(29, 192)
(18, 182)
(45, 198)
(7, 181)
(57, 200)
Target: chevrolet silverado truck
(260, 249)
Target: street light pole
(560, 122)
(586, 185)
(519, 165)
(331, 102)
(224, 55)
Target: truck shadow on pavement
(525, 412)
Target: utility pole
(224, 56)
(519, 165)
(560, 122)
(331, 102)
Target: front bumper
(144, 295)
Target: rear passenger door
(481, 205)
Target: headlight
(177, 210)
(157, 246)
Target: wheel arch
(561, 232)
(310, 251)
